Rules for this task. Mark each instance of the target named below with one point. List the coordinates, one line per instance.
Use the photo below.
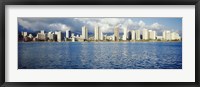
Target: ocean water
(100, 55)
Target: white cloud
(156, 26)
(141, 24)
(59, 26)
(25, 24)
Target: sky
(106, 24)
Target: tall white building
(125, 34)
(175, 36)
(42, 31)
(84, 32)
(68, 33)
(145, 34)
(101, 35)
(116, 34)
(133, 35)
(58, 33)
(137, 32)
(24, 34)
(97, 33)
(152, 34)
(167, 35)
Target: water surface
(100, 55)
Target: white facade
(175, 36)
(84, 32)
(145, 34)
(24, 34)
(58, 33)
(30, 36)
(133, 35)
(101, 36)
(97, 33)
(125, 34)
(42, 31)
(137, 34)
(68, 34)
(167, 35)
(152, 34)
(116, 34)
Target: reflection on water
(100, 55)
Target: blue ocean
(100, 55)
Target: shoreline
(94, 41)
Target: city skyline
(106, 25)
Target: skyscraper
(125, 34)
(137, 34)
(58, 36)
(116, 34)
(145, 34)
(84, 32)
(167, 35)
(152, 34)
(68, 33)
(96, 33)
(24, 34)
(175, 36)
(132, 35)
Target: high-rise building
(52, 37)
(116, 34)
(125, 34)
(167, 35)
(175, 36)
(133, 35)
(84, 32)
(145, 34)
(137, 34)
(97, 33)
(101, 36)
(24, 34)
(30, 36)
(41, 36)
(152, 34)
(58, 33)
(68, 33)
(42, 31)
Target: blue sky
(35, 24)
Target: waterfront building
(30, 36)
(97, 33)
(159, 37)
(133, 35)
(145, 34)
(68, 33)
(24, 34)
(101, 36)
(84, 32)
(152, 34)
(58, 34)
(52, 37)
(73, 39)
(175, 36)
(77, 36)
(167, 35)
(42, 31)
(41, 36)
(137, 34)
(116, 34)
(129, 35)
(124, 37)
